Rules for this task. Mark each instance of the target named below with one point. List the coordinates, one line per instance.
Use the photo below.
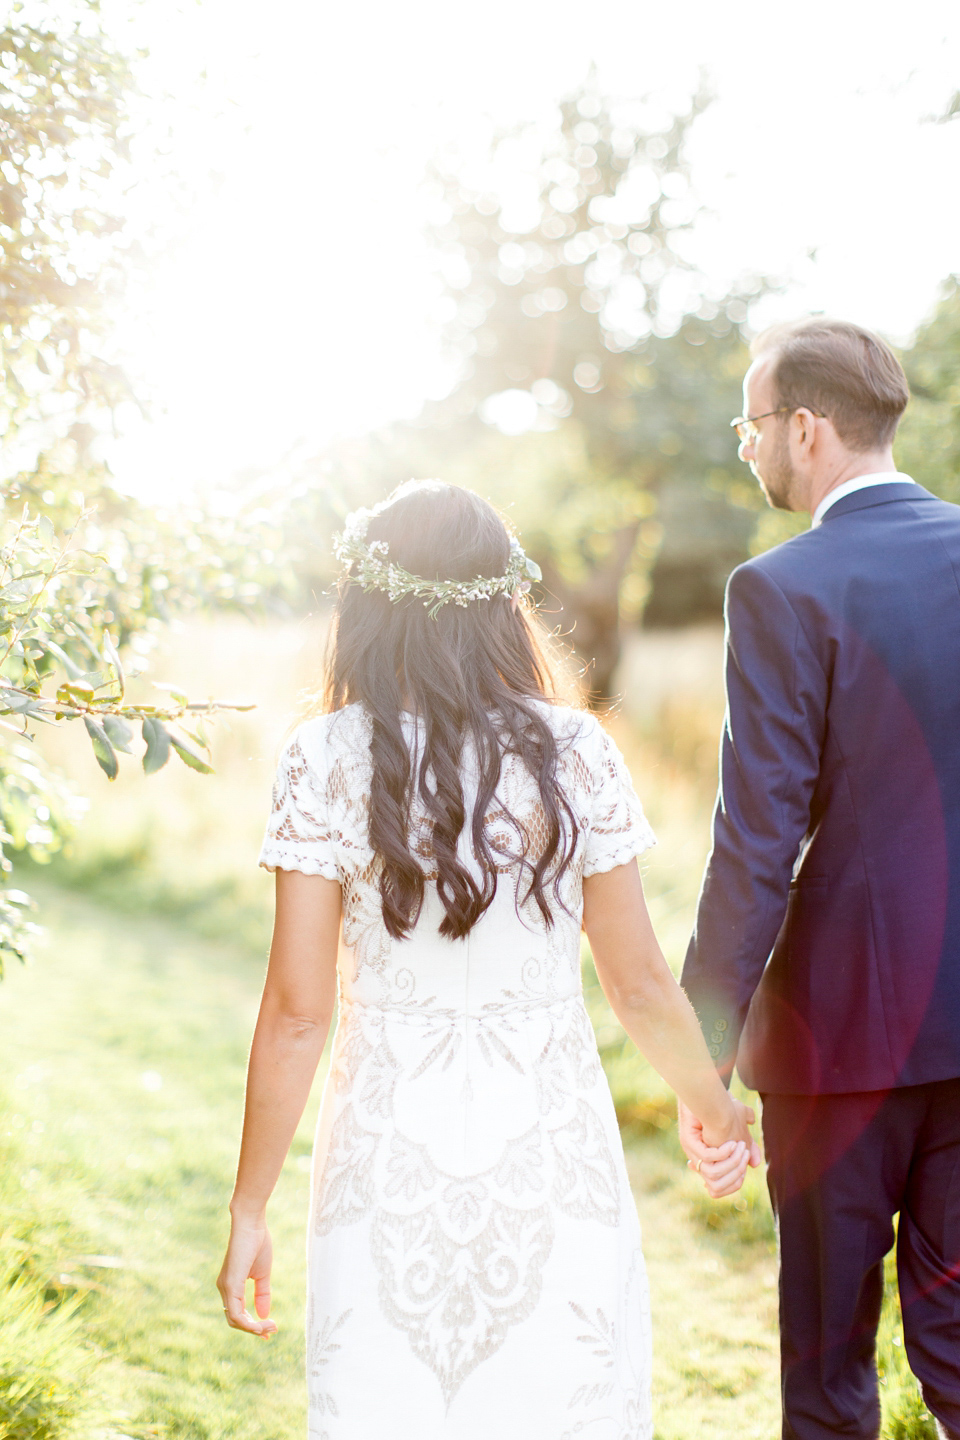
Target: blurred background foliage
(594, 326)
(64, 144)
(928, 445)
(596, 373)
(85, 572)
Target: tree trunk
(590, 614)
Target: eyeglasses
(746, 425)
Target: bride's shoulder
(566, 722)
(322, 739)
(572, 727)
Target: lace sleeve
(299, 835)
(619, 830)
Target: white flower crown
(370, 567)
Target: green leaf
(13, 701)
(16, 590)
(45, 530)
(69, 665)
(119, 733)
(102, 748)
(113, 658)
(175, 694)
(69, 692)
(157, 740)
(189, 756)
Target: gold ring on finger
(699, 1164)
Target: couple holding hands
(445, 828)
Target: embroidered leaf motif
(347, 1180)
(587, 1184)
(451, 1038)
(410, 1168)
(465, 1203)
(504, 1051)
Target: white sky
(295, 302)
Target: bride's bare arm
(297, 1006)
(659, 1018)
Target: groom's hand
(722, 1167)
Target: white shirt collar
(859, 482)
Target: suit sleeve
(769, 762)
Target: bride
(474, 1255)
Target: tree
(591, 332)
(84, 570)
(928, 443)
(64, 152)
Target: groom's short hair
(841, 370)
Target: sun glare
(291, 296)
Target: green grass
(905, 1415)
(122, 1052)
(46, 1368)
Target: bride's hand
(249, 1256)
(720, 1153)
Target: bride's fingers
(702, 1151)
(239, 1318)
(717, 1170)
(245, 1321)
(725, 1181)
(700, 1155)
(727, 1184)
(261, 1297)
(235, 1312)
(725, 1191)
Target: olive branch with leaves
(59, 662)
(32, 657)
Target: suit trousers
(840, 1167)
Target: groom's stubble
(779, 479)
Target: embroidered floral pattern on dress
(456, 1298)
(467, 1154)
(324, 1345)
(616, 1404)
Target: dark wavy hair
(472, 673)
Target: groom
(825, 962)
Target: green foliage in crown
(370, 566)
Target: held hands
(720, 1153)
(249, 1256)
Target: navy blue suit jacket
(826, 955)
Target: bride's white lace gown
(475, 1270)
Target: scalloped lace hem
(273, 859)
(637, 845)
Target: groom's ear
(804, 424)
